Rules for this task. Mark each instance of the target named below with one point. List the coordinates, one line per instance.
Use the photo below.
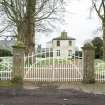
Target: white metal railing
(53, 68)
(5, 68)
(100, 70)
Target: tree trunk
(29, 34)
(20, 32)
(104, 40)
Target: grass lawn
(54, 61)
(7, 84)
(48, 62)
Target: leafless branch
(98, 10)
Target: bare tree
(99, 6)
(30, 15)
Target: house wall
(49, 44)
(64, 47)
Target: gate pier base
(18, 65)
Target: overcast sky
(77, 23)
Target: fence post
(18, 64)
(88, 63)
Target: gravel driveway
(49, 97)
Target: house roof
(49, 41)
(68, 38)
(64, 37)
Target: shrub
(4, 52)
(98, 44)
(0, 59)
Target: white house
(63, 46)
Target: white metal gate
(45, 67)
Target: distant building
(62, 46)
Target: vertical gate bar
(46, 59)
(77, 72)
(74, 71)
(24, 66)
(69, 68)
(53, 69)
(79, 67)
(60, 69)
(66, 65)
(28, 66)
(36, 68)
(62, 66)
(49, 65)
(33, 67)
(41, 69)
(82, 65)
(32, 70)
(40, 72)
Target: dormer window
(58, 43)
(70, 43)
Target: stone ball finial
(88, 45)
(19, 44)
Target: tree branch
(97, 10)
